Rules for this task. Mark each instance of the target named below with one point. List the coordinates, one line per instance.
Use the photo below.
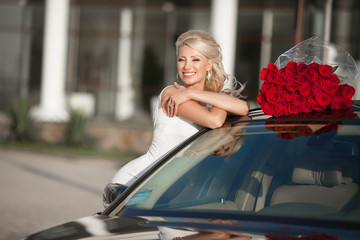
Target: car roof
(257, 114)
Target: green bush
(22, 126)
(75, 131)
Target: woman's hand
(172, 98)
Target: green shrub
(22, 126)
(75, 131)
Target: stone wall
(107, 135)
(112, 137)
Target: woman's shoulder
(167, 90)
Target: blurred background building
(110, 57)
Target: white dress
(168, 133)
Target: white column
(52, 94)
(125, 106)
(224, 28)
(328, 17)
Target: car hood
(170, 227)
(100, 227)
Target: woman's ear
(210, 65)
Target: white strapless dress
(168, 133)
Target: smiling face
(192, 67)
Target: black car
(257, 177)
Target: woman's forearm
(193, 111)
(224, 101)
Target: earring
(208, 75)
(177, 76)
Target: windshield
(277, 168)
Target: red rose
(323, 99)
(347, 90)
(261, 98)
(336, 99)
(302, 67)
(291, 86)
(310, 98)
(313, 68)
(316, 78)
(268, 108)
(337, 95)
(335, 104)
(292, 96)
(302, 78)
(328, 87)
(273, 97)
(291, 65)
(293, 109)
(317, 107)
(325, 70)
(299, 99)
(272, 67)
(287, 96)
(263, 74)
(277, 88)
(280, 108)
(306, 107)
(281, 80)
(283, 105)
(316, 88)
(291, 69)
(272, 77)
(334, 79)
(266, 87)
(346, 102)
(306, 78)
(305, 89)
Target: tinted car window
(279, 168)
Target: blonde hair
(202, 41)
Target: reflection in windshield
(216, 234)
(222, 142)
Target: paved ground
(39, 190)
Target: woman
(182, 110)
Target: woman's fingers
(170, 108)
(164, 101)
(171, 101)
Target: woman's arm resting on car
(177, 95)
(193, 111)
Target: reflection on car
(257, 177)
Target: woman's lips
(188, 74)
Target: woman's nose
(187, 64)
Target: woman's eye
(196, 60)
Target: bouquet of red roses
(300, 83)
(302, 88)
